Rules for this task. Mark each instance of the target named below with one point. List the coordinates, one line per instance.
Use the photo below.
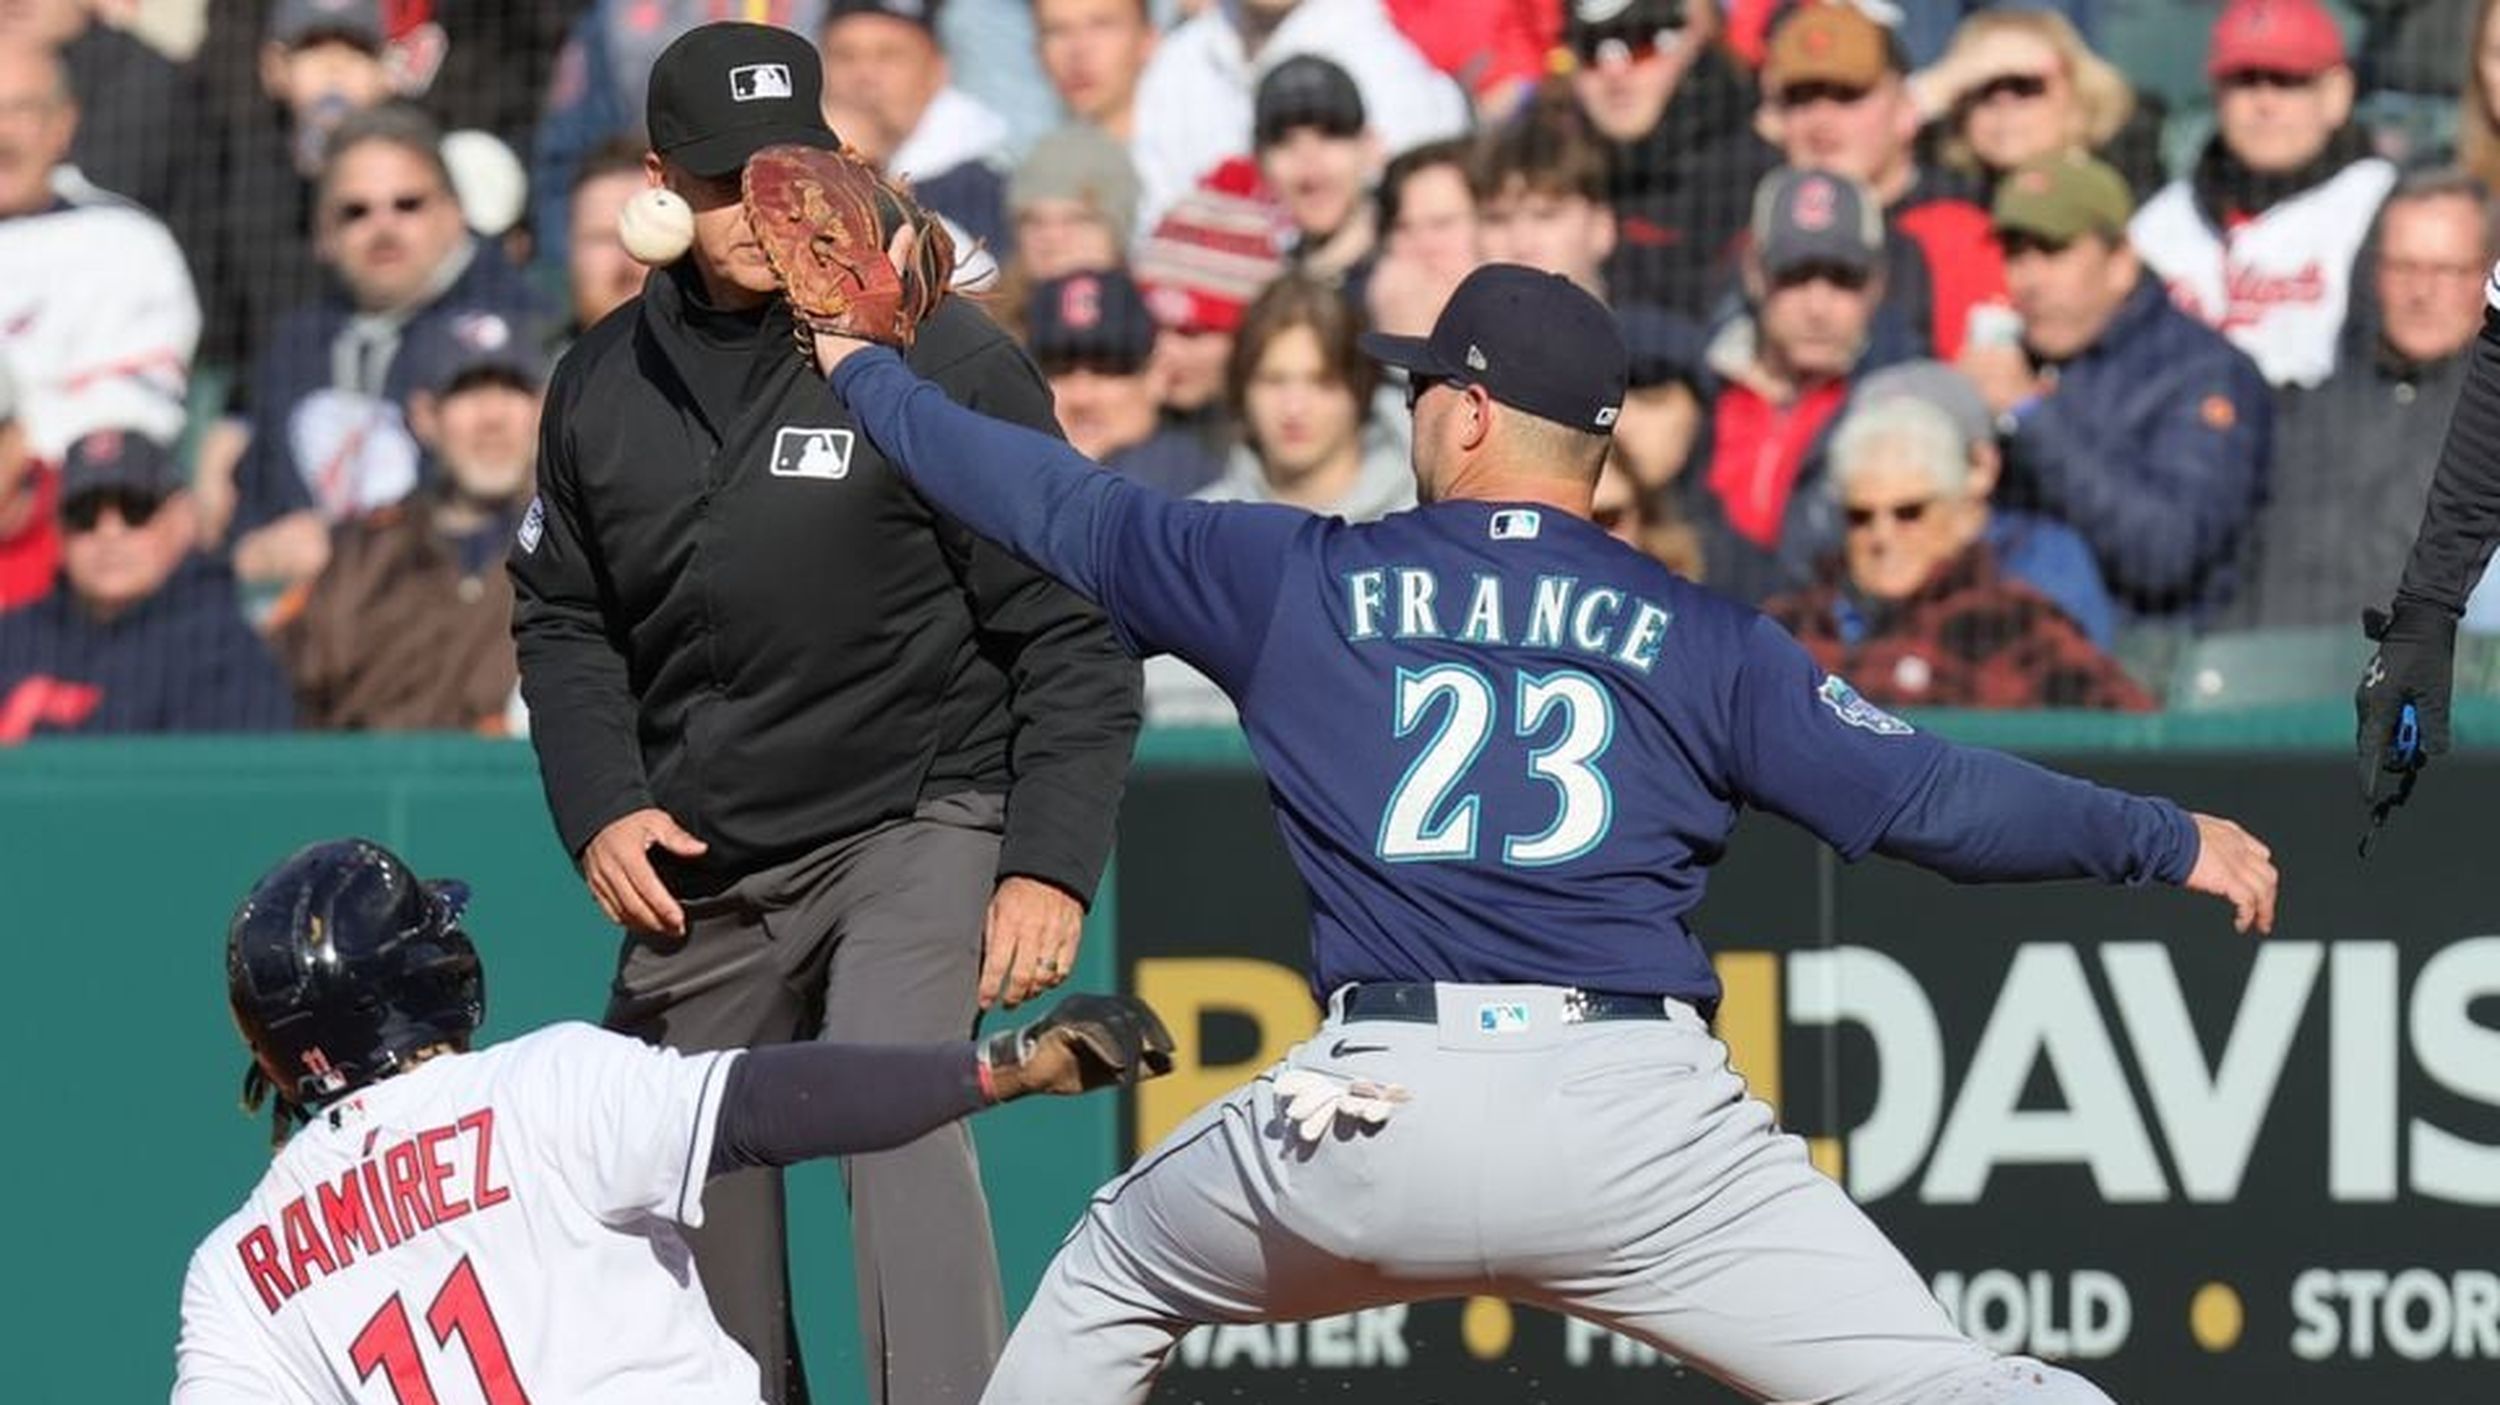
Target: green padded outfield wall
(119, 863)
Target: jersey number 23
(1431, 819)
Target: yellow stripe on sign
(1275, 999)
(1749, 1024)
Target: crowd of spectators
(2000, 353)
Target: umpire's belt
(1417, 1002)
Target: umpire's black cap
(1535, 341)
(723, 92)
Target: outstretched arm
(1189, 578)
(1809, 748)
(786, 1103)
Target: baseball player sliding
(504, 1224)
(1504, 751)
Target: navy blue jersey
(1502, 746)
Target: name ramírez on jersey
(390, 1196)
(1406, 602)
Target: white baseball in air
(657, 226)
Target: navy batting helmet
(341, 965)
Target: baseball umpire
(526, 1198)
(1504, 750)
(2403, 701)
(833, 763)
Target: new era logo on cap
(757, 82)
(1475, 357)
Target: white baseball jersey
(2279, 286)
(490, 1228)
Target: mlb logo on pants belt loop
(1502, 1017)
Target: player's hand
(1029, 942)
(617, 866)
(833, 348)
(2415, 663)
(1085, 1042)
(2231, 864)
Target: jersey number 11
(389, 1344)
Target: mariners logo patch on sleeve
(1846, 705)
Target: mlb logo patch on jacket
(812, 453)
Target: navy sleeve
(787, 1103)
(1807, 747)
(1985, 817)
(1195, 579)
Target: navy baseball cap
(1535, 341)
(1093, 318)
(119, 459)
(724, 92)
(445, 352)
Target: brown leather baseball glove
(825, 220)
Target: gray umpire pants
(874, 939)
(1614, 1171)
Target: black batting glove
(2416, 664)
(1085, 1042)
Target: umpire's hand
(2416, 663)
(1029, 943)
(617, 866)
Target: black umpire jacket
(730, 606)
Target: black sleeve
(2462, 520)
(573, 674)
(787, 1103)
(1077, 694)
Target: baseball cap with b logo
(723, 92)
(1535, 341)
(1809, 218)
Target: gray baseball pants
(1614, 1171)
(873, 939)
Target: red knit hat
(2274, 36)
(1213, 251)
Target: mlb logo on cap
(757, 82)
